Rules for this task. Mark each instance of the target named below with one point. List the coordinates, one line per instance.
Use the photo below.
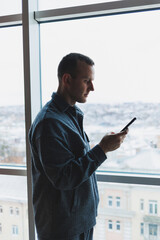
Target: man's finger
(124, 132)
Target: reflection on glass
(8, 7)
(128, 221)
(126, 52)
(13, 207)
(12, 127)
(47, 4)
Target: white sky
(125, 48)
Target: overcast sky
(125, 48)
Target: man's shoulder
(49, 111)
(48, 114)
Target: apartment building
(13, 208)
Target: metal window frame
(96, 10)
(30, 19)
(129, 179)
(32, 87)
(86, 11)
(11, 20)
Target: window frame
(142, 205)
(96, 10)
(154, 228)
(11, 211)
(153, 204)
(110, 224)
(1, 209)
(17, 211)
(118, 202)
(118, 226)
(15, 230)
(142, 228)
(31, 18)
(110, 202)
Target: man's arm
(62, 168)
(60, 164)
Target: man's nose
(91, 87)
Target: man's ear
(66, 79)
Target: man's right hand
(111, 142)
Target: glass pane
(8, 7)
(127, 222)
(48, 4)
(126, 50)
(13, 204)
(12, 127)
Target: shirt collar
(63, 105)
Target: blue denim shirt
(65, 195)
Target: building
(129, 212)
(13, 208)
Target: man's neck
(65, 96)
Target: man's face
(82, 84)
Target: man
(65, 195)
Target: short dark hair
(68, 64)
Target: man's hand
(112, 141)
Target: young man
(65, 195)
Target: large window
(126, 50)
(12, 127)
(13, 189)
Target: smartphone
(129, 124)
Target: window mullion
(31, 48)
